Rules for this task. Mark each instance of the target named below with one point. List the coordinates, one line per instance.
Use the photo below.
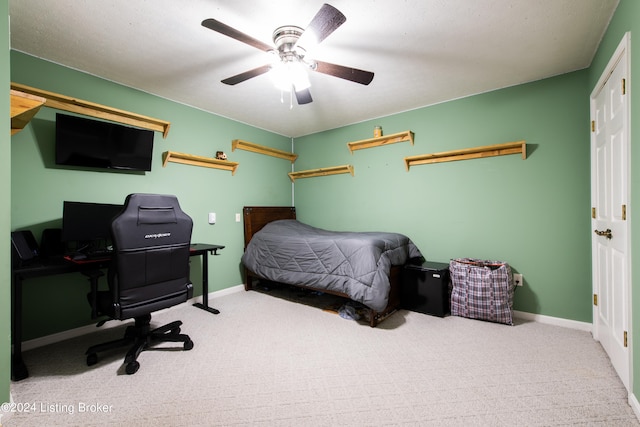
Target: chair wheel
(188, 345)
(132, 367)
(92, 359)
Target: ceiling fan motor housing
(285, 39)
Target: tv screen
(97, 144)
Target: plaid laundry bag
(482, 290)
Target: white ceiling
(422, 51)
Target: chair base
(140, 337)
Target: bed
(365, 267)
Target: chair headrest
(151, 220)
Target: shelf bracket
(23, 107)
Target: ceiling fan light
(288, 76)
(300, 77)
(279, 76)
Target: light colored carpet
(269, 361)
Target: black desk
(90, 268)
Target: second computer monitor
(87, 222)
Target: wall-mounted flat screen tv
(96, 144)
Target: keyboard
(92, 255)
(98, 254)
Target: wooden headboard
(256, 217)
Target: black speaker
(51, 244)
(25, 247)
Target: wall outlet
(238, 217)
(518, 279)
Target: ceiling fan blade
(322, 25)
(347, 73)
(221, 28)
(303, 96)
(239, 78)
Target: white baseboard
(556, 321)
(72, 333)
(6, 415)
(227, 291)
(635, 405)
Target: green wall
(39, 186)
(5, 201)
(532, 213)
(624, 20)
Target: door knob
(606, 233)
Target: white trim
(226, 291)
(6, 415)
(635, 405)
(623, 50)
(556, 321)
(83, 330)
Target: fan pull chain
(290, 98)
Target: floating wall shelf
(333, 170)
(190, 159)
(381, 140)
(23, 107)
(66, 103)
(261, 149)
(518, 147)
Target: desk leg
(18, 368)
(93, 276)
(205, 286)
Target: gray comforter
(356, 264)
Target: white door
(610, 212)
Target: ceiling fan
(290, 65)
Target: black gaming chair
(149, 272)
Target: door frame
(623, 49)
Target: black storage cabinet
(425, 288)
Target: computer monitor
(88, 223)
